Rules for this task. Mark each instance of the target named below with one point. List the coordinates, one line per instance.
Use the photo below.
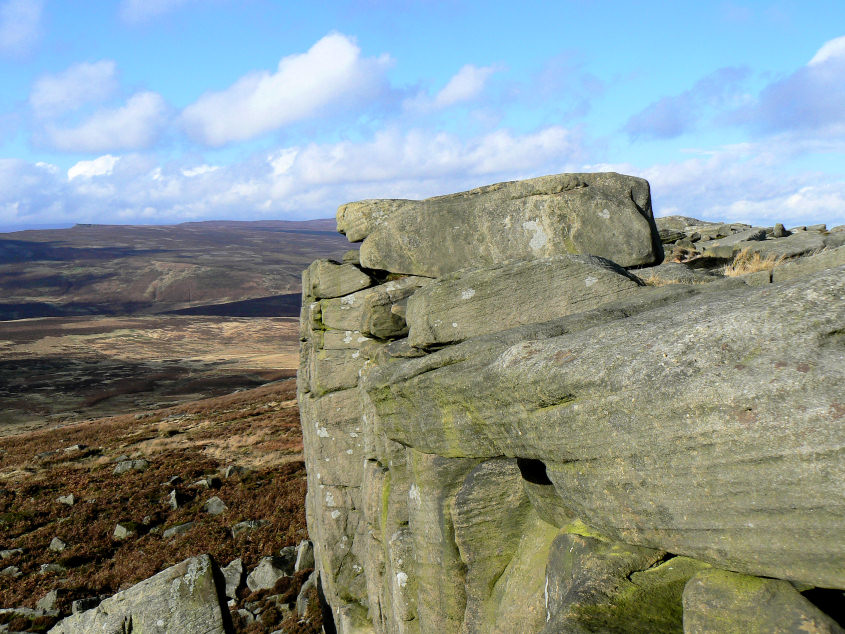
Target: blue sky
(163, 111)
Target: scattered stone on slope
(179, 529)
(215, 506)
(304, 556)
(604, 214)
(265, 575)
(233, 573)
(69, 499)
(125, 466)
(182, 598)
(57, 545)
(247, 525)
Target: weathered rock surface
(477, 301)
(183, 598)
(604, 214)
(325, 278)
(536, 440)
(722, 601)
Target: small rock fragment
(215, 506)
(232, 470)
(265, 575)
(124, 530)
(57, 545)
(305, 599)
(10, 552)
(304, 555)
(179, 529)
(779, 231)
(10, 571)
(69, 499)
(49, 600)
(125, 466)
(80, 605)
(47, 568)
(247, 525)
(233, 573)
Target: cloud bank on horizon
(166, 111)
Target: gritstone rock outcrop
(516, 419)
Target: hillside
(124, 269)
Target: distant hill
(141, 269)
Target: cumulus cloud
(811, 98)
(748, 182)
(139, 11)
(134, 125)
(332, 73)
(100, 166)
(301, 182)
(80, 84)
(465, 85)
(20, 26)
(673, 116)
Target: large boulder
(710, 427)
(477, 301)
(604, 214)
(183, 598)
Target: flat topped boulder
(604, 214)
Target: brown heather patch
(256, 429)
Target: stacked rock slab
(506, 430)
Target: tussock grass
(746, 262)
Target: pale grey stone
(478, 301)
(329, 279)
(332, 370)
(183, 598)
(265, 575)
(635, 430)
(233, 573)
(304, 555)
(215, 506)
(729, 603)
(248, 525)
(179, 529)
(10, 571)
(68, 499)
(303, 600)
(57, 545)
(124, 530)
(604, 214)
(125, 466)
(10, 552)
(829, 258)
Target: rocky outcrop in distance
(532, 407)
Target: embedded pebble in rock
(215, 506)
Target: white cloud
(199, 170)
(138, 11)
(53, 95)
(132, 126)
(20, 26)
(330, 73)
(465, 85)
(832, 49)
(100, 166)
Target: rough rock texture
(605, 214)
(540, 441)
(182, 598)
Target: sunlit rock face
(511, 425)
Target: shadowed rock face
(604, 214)
(541, 442)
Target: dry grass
(746, 262)
(255, 429)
